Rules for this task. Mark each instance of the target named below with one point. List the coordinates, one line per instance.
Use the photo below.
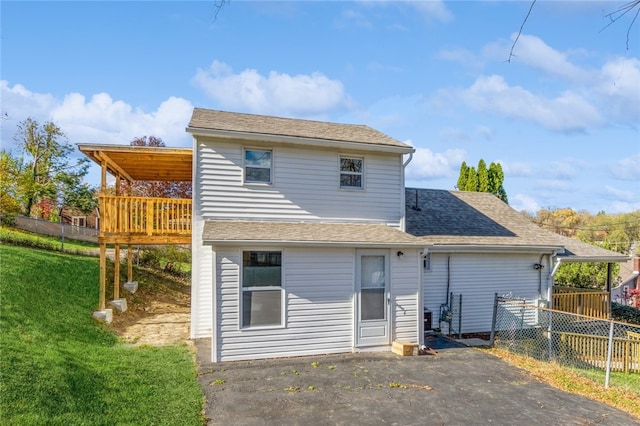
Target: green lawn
(47, 242)
(60, 366)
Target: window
(257, 166)
(351, 172)
(79, 221)
(261, 288)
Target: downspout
(556, 265)
(421, 256)
(403, 225)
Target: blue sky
(562, 117)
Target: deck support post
(103, 275)
(116, 272)
(129, 263)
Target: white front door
(373, 317)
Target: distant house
(477, 246)
(78, 218)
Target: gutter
(482, 248)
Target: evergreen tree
(472, 180)
(483, 180)
(462, 177)
(483, 177)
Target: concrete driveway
(458, 386)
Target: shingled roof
(306, 233)
(455, 218)
(238, 123)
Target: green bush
(625, 313)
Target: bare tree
(614, 16)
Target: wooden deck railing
(592, 304)
(593, 351)
(144, 215)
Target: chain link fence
(567, 339)
(56, 229)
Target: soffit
(143, 163)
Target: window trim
(243, 289)
(244, 167)
(75, 221)
(361, 173)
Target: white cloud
(627, 168)
(567, 112)
(276, 94)
(522, 202)
(516, 169)
(618, 88)
(485, 131)
(622, 207)
(430, 165)
(562, 170)
(99, 120)
(351, 18)
(533, 51)
(619, 194)
(554, 185)
(452, 134)
(433, 9)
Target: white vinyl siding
(478, 277)
(404, 295)
(319, 306)
(305, 186)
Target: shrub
(625, 313)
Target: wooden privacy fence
(589, 303)
(145, 215)
(593, 350)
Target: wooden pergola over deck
(132, 220)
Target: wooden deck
(143, 220)
(133, 220)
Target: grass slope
(59, 366)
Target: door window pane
(372, 304)
(372, 271)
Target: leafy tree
(483, 180)
(585, 275)
(46, 172)
(10, 169)
(159, 189)
(496, 180)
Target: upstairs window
(257, 166)
(351, 173)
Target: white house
(305, 241)
(298, 242)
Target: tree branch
(621, 12)
(520, 31)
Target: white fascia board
(324, 143)
(475, 248)
(244, 243)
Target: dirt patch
(157, 314)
